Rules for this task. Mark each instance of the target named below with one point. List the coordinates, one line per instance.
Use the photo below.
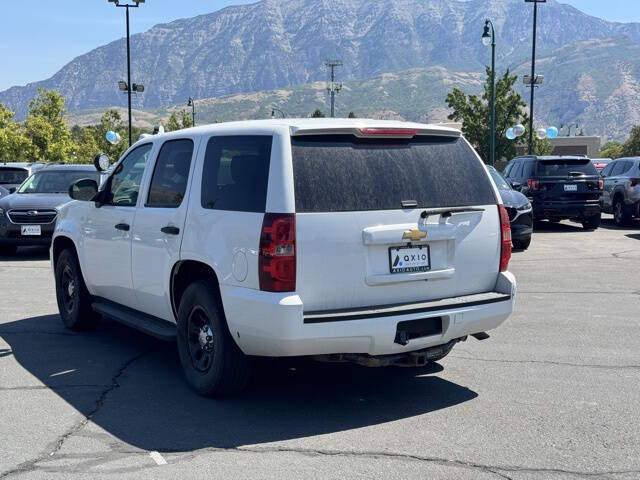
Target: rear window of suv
(564, 167)
(340, 173)
(12, 175)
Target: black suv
(28, 216)
(559, 187)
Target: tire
(622, 214)
(212, 362)
(74, 301)
(591, 223)
(8, 250)
(522, 244)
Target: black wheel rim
(200, 339)
(69, 289)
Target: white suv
(382, 243)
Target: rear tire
(591, 223)
(522, 244)
(212, 362)
(8, 251)
(622, 214)
(74, 300)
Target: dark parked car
(600, 163)
(28, 216)
(559, 187)
(519, 209)
(13, 174)
(622, 190)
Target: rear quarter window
(563, 167)
(236, 173)
(339, 173)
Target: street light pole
(485, 40)
(533, 69)
(127, 6)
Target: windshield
(12, 176)
(499, 180)
(563, 168)
(54, 181)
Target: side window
(606, 171)
(507, 170)
(618, 169)
(527, 169)
(516, 171)
(170, 174)
(236, 173)
(125, 181)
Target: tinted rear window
(562, 168)
(340, 173)
(12, 175)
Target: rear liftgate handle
(122, 226)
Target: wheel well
(60, 244)
(184, 274)
(618, 196)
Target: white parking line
(159, 459)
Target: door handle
(122, 226)
(169, 230)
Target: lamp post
(533, 69)
(136, 4)
(490, 38)
(192, 103)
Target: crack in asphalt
(32, 464)
(548, 362)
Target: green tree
(111, 120)
(631, 147)
(351, 115)
(179, 120)
(46, 128)
(612, 149)
(473, 112)
(14, 145)
(317, 114)
(85, 145)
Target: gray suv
(622, 190)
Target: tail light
(533, 184)
(505, 238)
(277, 258)
(600, 184)
(635, 182)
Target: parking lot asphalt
(553, 394)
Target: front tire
(522, 244)
(8, 250)
(74, 300)
(212, 362)
(591, 223)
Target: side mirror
(84, 189)
(102, 162)
(516, 186)
(12, 190)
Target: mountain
(276, 44)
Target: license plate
(31, 230)
(409, 259)
(571, 188)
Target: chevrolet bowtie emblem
(414, 235)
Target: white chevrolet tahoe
(376, 242)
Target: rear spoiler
(378, 132)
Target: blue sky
(38, 37)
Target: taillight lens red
(635, 182)
(533, 184)
(277, 258)
(505, 239)
(600, 184)
(389, 132)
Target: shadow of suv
(622, 190)
(559, 187)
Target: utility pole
(533, 69)
(333, 87)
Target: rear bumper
(564, 210)
(275, 325)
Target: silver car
(622, 190)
